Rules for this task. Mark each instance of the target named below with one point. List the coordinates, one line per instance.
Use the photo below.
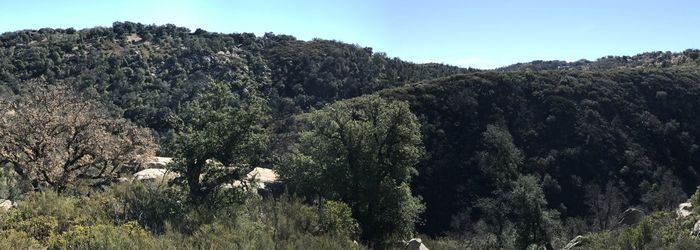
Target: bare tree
(50, 136)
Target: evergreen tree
(363, 153)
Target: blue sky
(481, 34)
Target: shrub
(230, 236)
(127, 236)
(638, 236)
(11, 239)
(149, 204)
(336, 218)
(50, 204)
(39, 228)
(695, 200)
(446, 243)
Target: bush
(149, 204)
(11, 239)
(39, 228)
(336, 218)
(127, 236)
(122, 215)
(227, 236)
(637, 237)
(695, 201)
(49, 204)
(446, 243)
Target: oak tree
(51, 136)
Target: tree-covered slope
(599, 141)
(149, 71)
(687, 59)
(522, 155)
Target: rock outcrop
(577, 241)
(416, 244)
(153, 173)
(159, 162)
(7, 205)
(696, 229)
(684, 210)
(631, 216)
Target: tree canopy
(363, 153)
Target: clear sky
(481, 34)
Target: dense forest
(371, 151)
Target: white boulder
(696, 229)
(153, 173)
(684, 210)
(7, 205)
(159, 162)
(259, 177)
(416, 244)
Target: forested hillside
(689, 58)
(599, 142)
(370, 151)
(148, 71)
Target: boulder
(696, 229)
(7, 205)
(159, 162)
(631, 216)
(153, 173)
(684, 210)
(416, 244)
(260, 176)
(577, 241)
(263, 175)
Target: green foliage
(638, 237)
(659, 230)
(283, 224)
(151, 205)
(11, 239)
(664, 195)
(695, 201)
(256, 224)
(534, 223)
(219, 137)
(601, 136)
(224, 236)
(336, 218)
(49, 212)
(150, 79)
(686, 59)
(500, 158)
(127, 236)
(363, 153)
(39, 227)
(579, 130)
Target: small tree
(50, 136)
(498, 161)
(535, 224)
(362, 152)
(218, 137)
